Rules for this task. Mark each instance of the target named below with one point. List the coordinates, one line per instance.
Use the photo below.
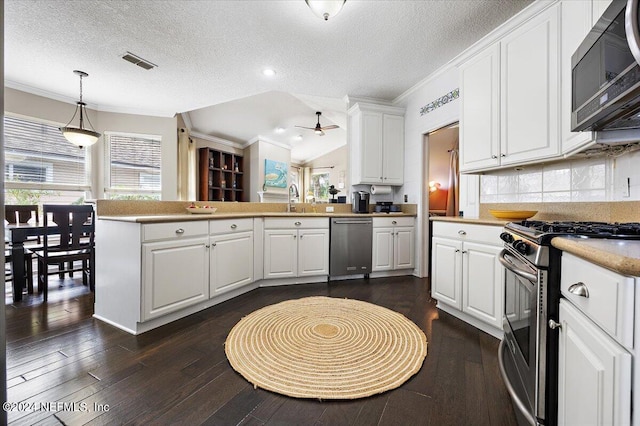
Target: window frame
(49, 186)
(112, 193)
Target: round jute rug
(326, 348)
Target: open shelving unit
(221, 175)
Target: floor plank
(178, 373)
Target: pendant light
(325, 8)
(80, 136)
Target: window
(320, 186)
(41, 166)
(133, 166)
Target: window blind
(38, 156)
(134, 163)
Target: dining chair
(22, 214)
(72, 227)
(18, 213)
(8, 272)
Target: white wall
(59, 113)
(415, 153)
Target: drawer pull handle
(297, 223)
(461, 232)
(234, 226)
(579, 289)
(179, 231)
(553, 325)
(394, 222)
(464, 252)
(213, 245)
(457, 251)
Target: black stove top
(543, 231)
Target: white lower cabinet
(230, 261)
(393, 244)
(296, 247)
(175, 275)
(598, 312)
(466, 273)
(594, 373)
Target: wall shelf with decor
(221, 175)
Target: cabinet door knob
(461, 232)
(301, 236)
(385, 178)
(503, 155)
(206, 246)
(553, 325)
(579, 289)
(394, 222)
(213, 245)
(295, 236)
(380, 177)
(179, 231)
(494, 156)
(297, 223)
(457, 251)
(234, 226)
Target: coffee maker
(360, 202)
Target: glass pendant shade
(80, 136)
(325, 8)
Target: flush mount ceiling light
(268, 72)
(325, 8)
(80, 136)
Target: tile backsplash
(578, 180)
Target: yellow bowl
(513, 214)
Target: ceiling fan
(319, 130)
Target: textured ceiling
(212, 52)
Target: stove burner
(597, 229)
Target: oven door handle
(502, 257)
(512, 392)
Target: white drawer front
(489, 234)
(163, 231)
(611, 296)
(296, 222)
(230, 225)
(385, 222)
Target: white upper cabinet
(577, 20)
(480, 111)
(510, 109)
(530, 127)
(376, 141)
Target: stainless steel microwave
(606, 72)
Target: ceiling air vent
(137, 60)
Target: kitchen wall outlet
(406, 198)
(329, 209)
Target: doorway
(443, 178)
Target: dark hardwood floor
(178, 374)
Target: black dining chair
(21, 214)
(28, 267)
(73, 226)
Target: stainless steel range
(528, 354)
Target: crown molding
(215, 139)
(95, 107)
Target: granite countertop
(179, 217)
(622, 256)
(479, 221)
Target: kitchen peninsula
(156, 262)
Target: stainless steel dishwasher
(350, 246)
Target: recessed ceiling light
(269, 72)
(280, 129)
(298, 138)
